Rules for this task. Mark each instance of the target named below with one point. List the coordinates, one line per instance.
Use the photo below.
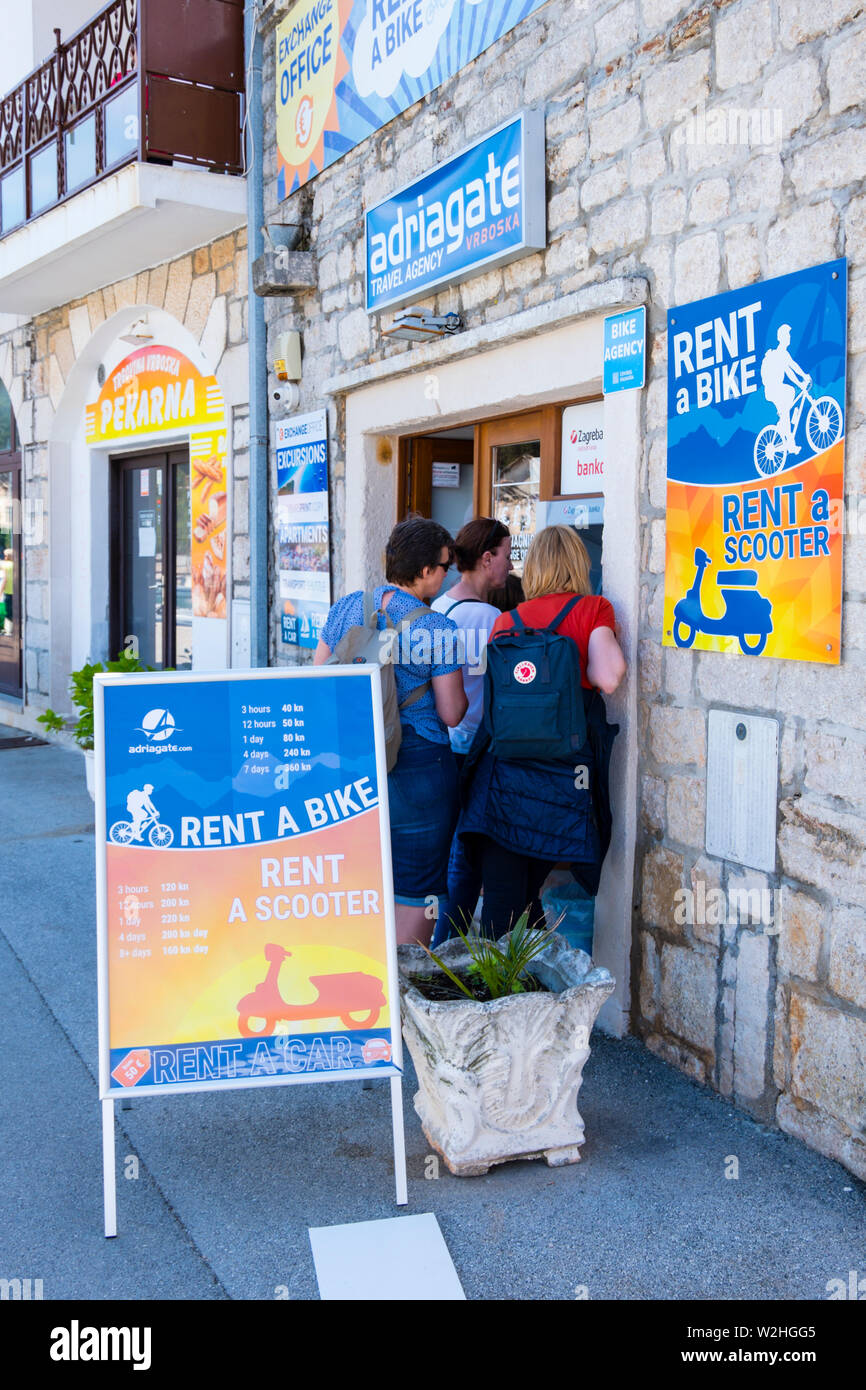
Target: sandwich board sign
(245, 904)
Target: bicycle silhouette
(160, 836)
(823, 428)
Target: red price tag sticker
(132, 1068)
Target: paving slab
(229, 1183)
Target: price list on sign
(247, 885)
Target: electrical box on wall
(742, 788)
(287, 362)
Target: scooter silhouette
(747, 615)
(339, 996)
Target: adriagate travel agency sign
(755, 498)
(345, 68)
(485, 207)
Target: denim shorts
(422, 799)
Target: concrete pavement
(228, 1184)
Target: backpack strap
(457, 603)
(563, 612)
(369, 607)
(415, 694)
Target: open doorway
(518, 468)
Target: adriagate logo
(524, 672)
(158, 725)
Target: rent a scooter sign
(755, 498)
(245, 901)
(483, 208)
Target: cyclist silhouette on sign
(142, 809)
(823, 417)
(778, 364)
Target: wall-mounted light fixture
(139, 333)
(415, 327)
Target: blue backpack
(533, 697)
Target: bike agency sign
(755, 499)
(245, 901)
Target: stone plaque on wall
(742, 788)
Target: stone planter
(499, 1081)
(90, 772)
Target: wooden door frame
(415, 478)
(543, 424)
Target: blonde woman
(521, 817)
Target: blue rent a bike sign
(755, 494)
(483, 208)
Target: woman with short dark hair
(422, 786)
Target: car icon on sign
(376, 1050)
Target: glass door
(519, 460)
(10, 577)
(152, 608)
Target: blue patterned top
(428, 648)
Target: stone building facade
(690, 150)
(196, 303)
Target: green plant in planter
(81, 694)
(501, 969)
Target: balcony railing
(153, 80)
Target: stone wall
(637, 95)
(206, 291)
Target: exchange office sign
(483, 208)
(755, 500)
(345, 68)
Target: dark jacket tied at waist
(544, 809)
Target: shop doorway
(510, 467)
(10, 551)
(151, 605)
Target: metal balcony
(154, 81)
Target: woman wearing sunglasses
(422, 786)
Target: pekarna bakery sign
(158, 390)
(152, 390)
(480, 209)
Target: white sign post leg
(109, 1181)
(399, 1140)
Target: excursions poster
(246, 932)
(303, 527)
(755, 497)
(345, 68)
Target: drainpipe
(259, 513)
